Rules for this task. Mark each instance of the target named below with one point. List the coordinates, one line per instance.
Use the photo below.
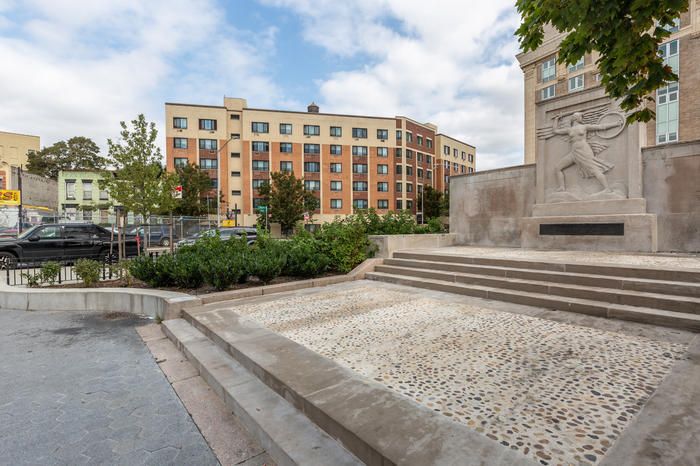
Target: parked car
(157, 234)
(64, 242)
(225, 233)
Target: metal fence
(32, 272)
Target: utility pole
(21, 195)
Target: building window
(399, 187)
(383, 187)
(104, 195)
(409, 204)
(336, 149)
(399, 169)
(409, 187)
(286, 166)
(208, 164)
(383, 169)
(336, 168)
(382, 152)
(667, 114)
(464, 155)
(383, 134)
(409, 136)
(236, 192)
(360, 203)
(446, 150)
(336, 131)
(549, 69)
(382, 204)
(208, 144)
(461, 168)
(409, 154)
(261, 165)
(235, 155)
(576, 83)
(180, 162)
(549, 92)
(312, 130)
(470, 158)
(360, 133)
(180, 123)
(235, 116)
(336, 185)
(471, 170)
(675, 25)
(576, 66)
(312, 167)
(455, 152)
(429, 174)
(397, 153)
(312, 149)
(285, 128)
(359, 151)
(258, 202)
(429, 143)
(409, 170)
(360, 186)
(286, 147)
(399, 204)
(87, 190)
(336, 203)
(669, 53)
(236, 174)
(260, 127)
(209, 125)
(312, 185)
(359, 168)
(261, 146)
(420, 173)
(419, 140)
(398, 134)
(419, 157)
(258, 183)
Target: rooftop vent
(313, 108)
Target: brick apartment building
(677, 109)
(349, 161)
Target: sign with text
(8, 197)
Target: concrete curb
(153, 303)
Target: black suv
(64, 242)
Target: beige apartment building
(349, 161)
(13, 153)
(677, 108)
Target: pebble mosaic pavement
(557, 393)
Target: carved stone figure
(584, 152)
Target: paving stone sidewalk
(79, 388)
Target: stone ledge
(153, 303)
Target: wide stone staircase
(667, 297)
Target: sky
(76, 68)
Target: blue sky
(77, 68)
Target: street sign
(228, 223)
(8, 197)
(262, 209)
(177, 192)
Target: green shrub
(185, 269)
(224, 271)
(33, 279)
(122, 270)
(88, 271)
(143, 268)
(305, 257)
(267, 259)
(345, 243)
(49, 272)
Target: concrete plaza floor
(76, 388)
(559, 388)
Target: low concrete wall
(486, 208)
(387, 244)
(153, 303)
(672, 190)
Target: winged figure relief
(583, 153)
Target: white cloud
(78, 68)
(451, 63)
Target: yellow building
(14, 149)
(349, 161)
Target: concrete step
(600, 281)
(609, 295)
(680, 320)
(651, 273)
(288, 436)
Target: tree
(432, 203)
(139, 183)
(78, 153)
(287, 200)
(194, 184)
(626, 33)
